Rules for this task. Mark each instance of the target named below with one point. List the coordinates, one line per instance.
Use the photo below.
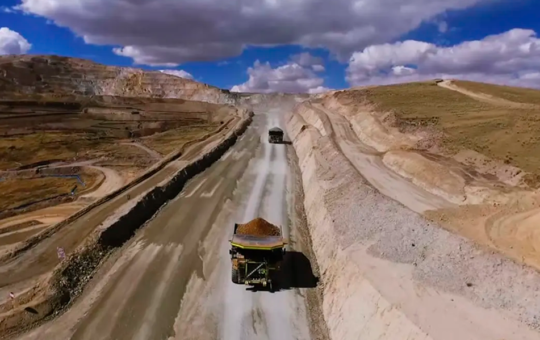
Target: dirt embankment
(53, 75)
(71, 275)
(479, 156)
(411, 279)
(419, 150)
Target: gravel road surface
(172, 281)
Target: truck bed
(257, 242)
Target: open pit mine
(140, 205)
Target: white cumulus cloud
(512, 58)
(442, 27)
(170, 32)
(12, 42)
(289, 78)
(318, 68)
(178, 73)
(306, 59)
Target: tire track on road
(265, 315)
(237, 318)
(284, 310)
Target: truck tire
(234, 275)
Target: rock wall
(386, 273)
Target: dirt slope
(442, 152)
(479, 155)
(388, 273)
(432, 118)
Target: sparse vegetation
(39, 131)
(168, 141)
(43, 145)
(507, 134)
(17, 192)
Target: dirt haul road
(173, 280)
(20, 272)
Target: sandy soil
(112, 182)
(186, 247)
(46, 217)
(510, 229)
(154, 154)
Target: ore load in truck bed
(257, 234)
(258, 227)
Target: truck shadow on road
(296, 272)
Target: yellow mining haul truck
(256, 258)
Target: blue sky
(472, 23)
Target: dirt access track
(37, 257)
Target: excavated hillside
(468, 149)
(424, 195)
(49, 77)
(53, 76)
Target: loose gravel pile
(258, 227)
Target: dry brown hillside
(64, 117)
(453, 121)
